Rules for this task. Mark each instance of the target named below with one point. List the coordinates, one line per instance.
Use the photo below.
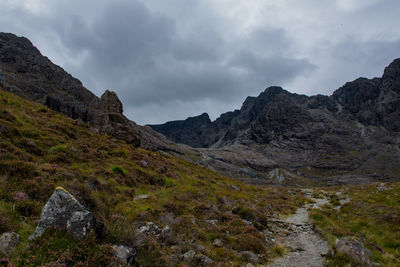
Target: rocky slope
(115, 197)
(351, 136)
(27, 73)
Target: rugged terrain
(276, 138)
(125, 188)
(95, 189)
(352, 136)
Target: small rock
(218, 243)
(189, 255)
(125, 255)
(203, 260)
(251, 256)
(235, 187)
(249, 265)
(8, 242)
(150, 228)
(144, 196)
(212, 222)
(355, 250)
(247, 222)
(63, 211)
(200, 248)
(381, 187)
(144, 163)
(269, 238)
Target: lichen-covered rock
(63, 211)
(124, 255)
(354, 249)
(149, 229)
(8, 242)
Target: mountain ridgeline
(277, 114)
(352, 136)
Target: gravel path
(306, 246)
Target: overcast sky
(170, 59)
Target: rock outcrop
(8, 242)
(355, 250)
(111, 120)
(63, 211)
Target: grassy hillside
(372, 215)
(41, 149)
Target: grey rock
(124, 254)
(269, 238)
(212, 222)
(149, 229)
(250, 256)
(235, 187)
(63, 211)
(203, 261)
(355, 250)
(218, 243)
(247, 222)
(189, 255)
(144, 196)
(8, 242)
(110, 119)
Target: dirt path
(306, 247)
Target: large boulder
(64, 212)
(355, 250)
(8, 242)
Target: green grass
(374, 216)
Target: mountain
(275, 138)
(27, 73)
(354, 133)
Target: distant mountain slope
(277, 114)
(355, 131)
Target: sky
(168, 60)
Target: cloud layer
(173, 59)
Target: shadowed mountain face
(277, 137)
(353, 134)
(279, 115)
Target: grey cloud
(182, 57)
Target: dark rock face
(29, 74)
(198, 131)
(63, 211)
(24, 71)
(351, 133)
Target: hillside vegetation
(41, 149)
(372, 215)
